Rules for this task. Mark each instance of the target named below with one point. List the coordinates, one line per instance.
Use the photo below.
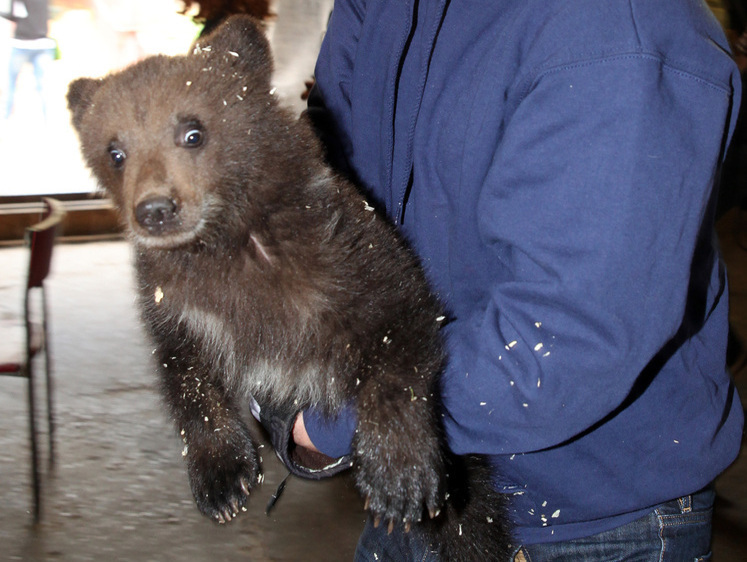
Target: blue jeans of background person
(677, 531)
(39, 60)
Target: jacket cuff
(332, 436)
(278, 422)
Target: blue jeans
(39, 59)
(375, 545)
(676, 531)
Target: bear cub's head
(193, 146)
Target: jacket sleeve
(595, 212)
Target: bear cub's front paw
(221, 478)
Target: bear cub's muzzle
(158, 215)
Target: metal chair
(40, 239)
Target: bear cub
(263, 274)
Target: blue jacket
(553, 163)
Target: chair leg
(50, 411)
(35, 476)
(49, 381)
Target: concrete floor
(119, 490)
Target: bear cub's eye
(193, 137)
(190, 134)
(117, 156)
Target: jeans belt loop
(686, 504)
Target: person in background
(554, 164)
(30, 45)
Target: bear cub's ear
(80, 97)
(242, 37)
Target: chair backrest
(41, 237)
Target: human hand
(300, 437)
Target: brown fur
(262, 272)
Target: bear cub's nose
(158, 214)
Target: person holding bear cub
(554, 164)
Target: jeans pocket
(685, 527)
